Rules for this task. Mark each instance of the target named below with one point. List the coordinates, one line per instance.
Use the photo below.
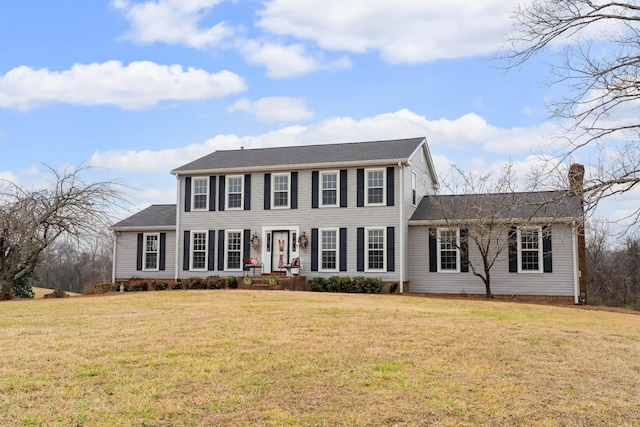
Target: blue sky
(137, 88)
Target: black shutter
(464, 250)
(391, 249)
(294, 190)
(513, 250)
(433, 250)
(187, 194)
(163, 250)
(315, 183)
(212, 193)
(360, 189)
(390, 189)
(343, 188)
(267, 191)
(220, 250)
(247, 192)
(360, 249)
(185, 252)
(246, 247)
(546, 250)
(221, 202)
(343, 249)
(211, 250)
(139, 251)
(314, 249)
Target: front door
(279, 250)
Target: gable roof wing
(153, 217)
(371, 151)
(507, 206)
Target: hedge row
(139, 285)
(358, 284)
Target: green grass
(232, 357)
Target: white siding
(559, 282)
(126, 252)
(302, 219)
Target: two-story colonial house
(342, 209)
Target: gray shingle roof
(398, 149)
(525, 205)
(153, 216)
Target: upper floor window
(375, 186)
(281, 190)
(448, 253)
(530, 249)
(414, 195)
(199, 250)
(234, 192)
(200, 193)
(375, 249)
(151, 251)
(329, 188)
(329, 250)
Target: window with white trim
(234, 192)
(329, 250)
(329, 181)
(200, 193)
(375, 249)
(448, 253)
(198, 250)
(151, 251)
(375, 186)
(414, 194)
(280, 190)
(233, 250)
(530, 249)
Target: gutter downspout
(401, 227)
(114, 258)
(576, 276)
(177, 228)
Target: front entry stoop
(295, 283)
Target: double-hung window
(448, 253)
(151, 250)
(329, 250)
(530, 249)
(329, 188)
(414, 195)
(281, 190)
(234, 192)
(375, 248)
(200, 193)
(199, 250)
(233, 248)
(375, 186)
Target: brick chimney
(576, 178)
(576, 185)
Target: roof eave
(541, 220)
(143, 228)
(298, 166)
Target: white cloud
(469, 131)
(274, 109)
(411, 31)
(135, 86)
(281, 61)
(172, 22)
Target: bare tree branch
(31, 220)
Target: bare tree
(600, 64)
(486, 213)
(71, 265)
(31, 220)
